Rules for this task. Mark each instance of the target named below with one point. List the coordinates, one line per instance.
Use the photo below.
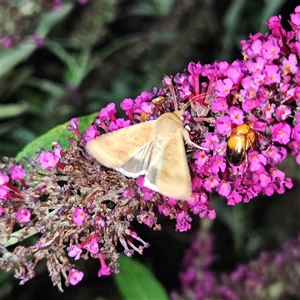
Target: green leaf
(50, 19)
(77, 67)
(50, 87)
(143, 8)
(135, 281)
(60, 52)
(163, 7)
(271, 8)
(154, 8)
(12, 57)
(58, 133)
(12, 110)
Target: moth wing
(137, 165)
(127, 150)
(168, 172)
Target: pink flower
(183, 221)
(104, 268)
(147, 107)
(219, 104)
(296, 133)
(256, 65)
(262, 177)
(17, 172)
(48, 160)
(268, 110)
(223, 87)
(274, 24)
(256, 161)
(75, 276)
(148, 193)
(256, 48)
(79, 215)
(4, 191)
(234, 198)
(217, 164)
(108, 112)
(91, 133)
(23, 215)
(195, 68)
(236, 115)
(250, 104)
(281, 133)
(74, 251)
(258, 78)
(274, 154)
(73, 126)
(129, 193)
(249, 84)
(127, 104)
(223, 125)
(3, 179)
(93, 245)
(210, 183)
(100, 221)
(272, 74)
(200, 158)
(290, 64)
(148, 218)
(211, 213)
(162, 209)
(119, 123)
(295, 20)
(211, 140)
(224, 188)
(270, 49)
(235, 74)
(140, 181)
(283, 112)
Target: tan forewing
(168, 173)
(116, 148)
(138, 164)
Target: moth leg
(221, 149)
(187, 139)
(249, 146)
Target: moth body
(154, 149)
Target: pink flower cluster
(256, 280)
(262, 90)
(8, 190)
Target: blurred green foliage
(73, 60)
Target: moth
(153, 148)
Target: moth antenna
(186, 105)
(200, 96)
(172, 91)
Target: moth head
(179, 112)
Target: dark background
(129, 46)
